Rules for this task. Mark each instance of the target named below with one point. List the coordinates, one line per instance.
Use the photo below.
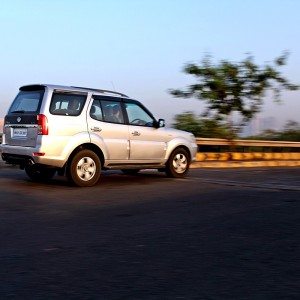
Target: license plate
(20, 132)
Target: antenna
(112, 83)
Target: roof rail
(100, 91)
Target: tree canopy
(199, 126)
(229, 87)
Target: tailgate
(21, 130)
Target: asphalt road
(219, 234)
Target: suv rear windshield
(27, 102)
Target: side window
(67, 104)
(96, 111)
(138, 116)
(112, 112)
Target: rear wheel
(178, 163)
(39, 173)
(84, 169)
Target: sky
(139, 47)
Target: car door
(146, 141)
(105, 128)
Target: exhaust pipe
(28, 162)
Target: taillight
(42, 124)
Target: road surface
(219, 234)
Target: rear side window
(27, 102)
(67, 104)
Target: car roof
(72, 89)
(96, 92)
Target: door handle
(136, 133)
(96, 129)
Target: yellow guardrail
(204, 156)
(248, 143)
(246, 156)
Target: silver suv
(78, 132)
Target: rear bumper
(13, 159)
(25, 155)
(17, 155)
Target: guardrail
(246, 150)
(248, 143)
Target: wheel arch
(178, 147)
(87, 146)
(178, 166)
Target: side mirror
(161, 123)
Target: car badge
(19, 119)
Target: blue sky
(140, 47)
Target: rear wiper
(18, 111)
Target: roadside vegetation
(290, 132)
(231, 91)
(199, 126)
(212, 128)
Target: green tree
(228, 87)
(290, 132)
(200, 127)
(188, 122)
(291, 125)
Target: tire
(178, 163)
(39, 173)
(130, 171)
(84, 169)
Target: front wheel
(178, 163)
(84, 169)
(39, 173)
